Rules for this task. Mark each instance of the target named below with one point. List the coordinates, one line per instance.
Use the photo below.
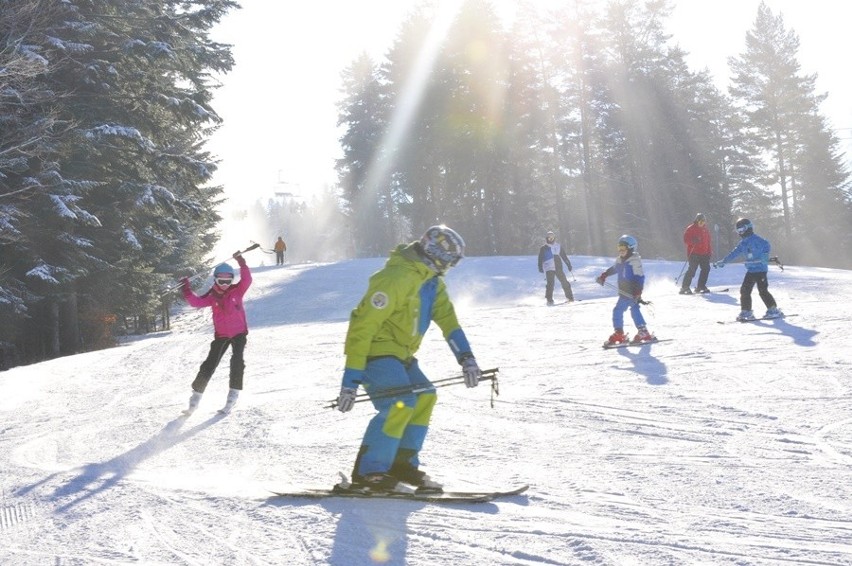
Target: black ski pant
(551, 280)
(696, 261)
(749, 282)
(279, 258)
(218, 347)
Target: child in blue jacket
(631, 281)
(756, 252)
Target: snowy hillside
(730, 444)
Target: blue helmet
(628, 241)
(223, 269)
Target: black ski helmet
(744, 227)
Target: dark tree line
(104, 112)
(588, 120)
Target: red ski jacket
(697, 240)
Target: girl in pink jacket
(225, 297)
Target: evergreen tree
(120, 195)
(656, 120)
(782, 112)
(362, 171)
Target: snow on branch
(131, 239)
(154, 195)
(47, 273)
(61, 208)
(112, 130)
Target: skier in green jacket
(385, 331)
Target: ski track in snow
(727, 445)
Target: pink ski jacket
(229, 316)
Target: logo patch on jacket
(379, 300)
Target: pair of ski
(427, 497)
(755, 319)
(224, 411)
(707, 292)
(608, 346)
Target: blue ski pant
(402, 421)
(622, 305)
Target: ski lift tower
(282, 189)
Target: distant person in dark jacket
(551, 256)
(280, 248)
(699, 248)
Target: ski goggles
(224, 281)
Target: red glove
(601, 278)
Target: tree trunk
(52, 341)
(69, 325)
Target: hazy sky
(280, 101)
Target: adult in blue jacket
(756, 252)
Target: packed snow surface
(728, 444)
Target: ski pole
(487, 375)
(626, 294)
(776, 261)
(682, 268)
(264, 250)
(171, 288)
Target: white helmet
(442, 248)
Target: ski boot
(642, 336)
(233, 395)
(617, 337)
(407, 473)
(745, 316)
(378, 482)
(702, 290)
(773, 312)
(194, 401)
(685, 291)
